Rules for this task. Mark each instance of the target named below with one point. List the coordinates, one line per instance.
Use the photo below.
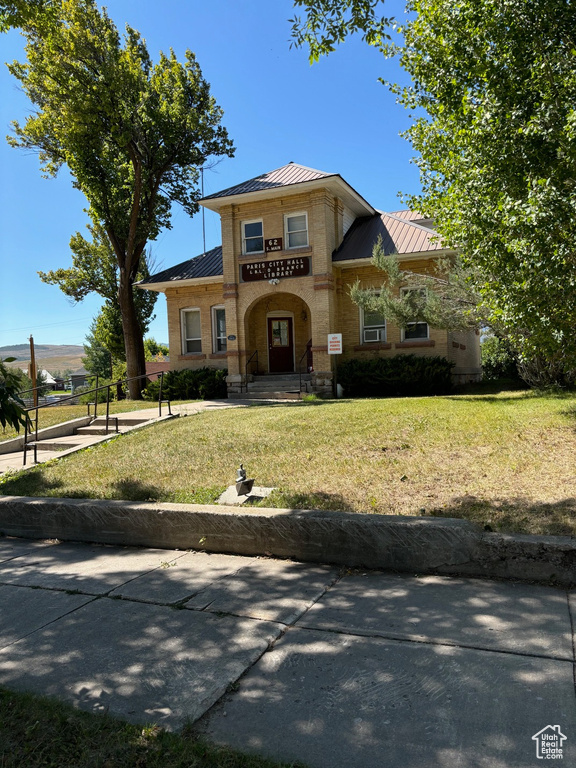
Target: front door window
(280, 345)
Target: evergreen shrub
(199, 384)
(398, 376)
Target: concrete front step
(263, 395)
(282, 377)
(123, 421)
(97, 430)
(274, 386)
(52, 445)
(98, 426)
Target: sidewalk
(337, 669)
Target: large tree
(132, 133)
(95, 270)
(494, 91)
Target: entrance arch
(278, 327)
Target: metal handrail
(250, 359)
(308, 355)
(96, 389)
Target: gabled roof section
(399, 236)
(283, 181)
(208, 264)
(281, 177)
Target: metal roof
(208, 264)
(293, 173)
(399, 236)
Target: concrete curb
(409, 544)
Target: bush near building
(401, 375)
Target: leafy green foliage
(101, 396)
(498, 153)
(11, 405)
(199, 384)
(443, 297)
(330, 22)
(153, 350)
(493, 93)
(132, 133)
(401, 375)
(499, 359)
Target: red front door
(280, 345)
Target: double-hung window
(218, 329)
(252, 237)
(296, 230)
(191, 331)
(418, 329)
(373, 326)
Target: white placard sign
(334, 343)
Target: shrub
(499, 359)
(90, 398)
(199, 384)
(401, 375)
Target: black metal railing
(309, 365)
(95, 390)
(251, 360)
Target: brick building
(262, 304)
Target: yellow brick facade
(317, 304)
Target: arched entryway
(278, 328)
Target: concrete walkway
(86, 435)
(338, 669)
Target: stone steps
(264, 395)
(282, 386)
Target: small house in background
(48, 379)
(78, 379)
(155, 367)
(294, 241)
(59, 384)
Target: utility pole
(32, 372)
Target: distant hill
(52, 357)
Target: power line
(47, 325)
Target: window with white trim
(191, 331)
(296, 230)
(373, 326)
(419, 329)
(252, 236)
(218, 329)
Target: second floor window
(252, 237)
(296, 226)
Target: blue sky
(334, 116)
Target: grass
(503, 460)
(42, 733)
(55, 414)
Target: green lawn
(504, 460)
(43, 733)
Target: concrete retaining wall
(410, 544)
(48, 433)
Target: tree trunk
(133, 341)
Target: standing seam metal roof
(208, 264)
(399, 236)
(281, 177)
